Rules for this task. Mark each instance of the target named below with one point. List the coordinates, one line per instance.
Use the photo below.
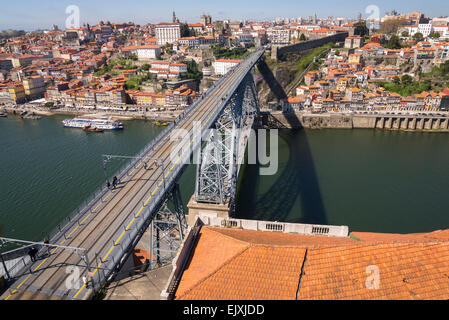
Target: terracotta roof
(234, 264)
(406, 271)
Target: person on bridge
(145, 165)
(115, 182)
(108, 184)
(32, 253)
(47, 242)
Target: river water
(370, 180)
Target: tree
(185, 31)
(391, 26)
(192, 71)
(146, 67)
(396, 80)
(405, 34)
(361, 29)
(394, 43)
(302, 37)
(434, 35)
(406, 79)
(418, 37)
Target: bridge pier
(413, 124)
(420, 124)
(207, 209)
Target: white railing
(292, 228)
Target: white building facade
(167, 33)
(223, 66)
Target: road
(51, 277)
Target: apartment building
(167, 33)
(34, 87)
(143, 53)
(280, 36)
(12, 93)
(223, 66)
(354, 42)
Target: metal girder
(217, 172)
(80, 252)
(167, 229)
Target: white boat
(100, 123)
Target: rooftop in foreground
(225, 261)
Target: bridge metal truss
(224, 151)
(168, 229)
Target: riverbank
(165, 116)
(413, 123)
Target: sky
(41, 14)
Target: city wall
(278, 51)
(279, 120)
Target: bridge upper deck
(110, 225)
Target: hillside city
(299, 159)
(397, 63)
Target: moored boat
(105, 124)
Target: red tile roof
(232, 264)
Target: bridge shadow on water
(296, 183)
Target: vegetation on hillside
(134, 82)
(307, 60)
(108, 68)
(192, 71)
(406, 86)
(234, 53)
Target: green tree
(192, 71)
(302, 37)
(405, 34)
(434, 35)
(361, 29)
(185, 31)
(394, 43)
(418, 37)
(406, 79)
(396, 80)
(146, 67)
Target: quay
(437, 122)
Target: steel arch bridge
(107, 227)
